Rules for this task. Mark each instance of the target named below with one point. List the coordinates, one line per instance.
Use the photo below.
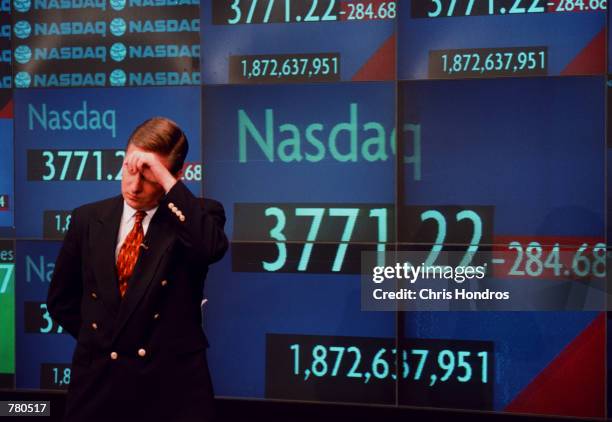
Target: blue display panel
(519, 354)
(69, 147)
(446, 39)
(542, 203)
(317, 172)
(44, 349)
(7, 197)
(297, 41)
(540, 143)
(98, 43)
(531, 170)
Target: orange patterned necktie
(128, 254)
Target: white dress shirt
(127, 223)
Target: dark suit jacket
(142, 357)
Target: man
(128, 285)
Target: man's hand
(151, 166)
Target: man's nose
(137, 185)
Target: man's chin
(133, 202)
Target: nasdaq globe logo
(23, 80)
(117, 4)
(118, 51)
(118, 77)
(23, 54)
(22, 29)
(118, 27)
(22, 5)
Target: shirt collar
(129, 212)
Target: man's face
(139, 189)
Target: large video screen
(306, 186)
(95, 43)
(43, 348)
(261, 41)
(535, 147)
(449, 39)
(7, 313)
(7, 196)
(70, 147)
(328, 130)
(535, 150)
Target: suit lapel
(102, 245)
(158, 239)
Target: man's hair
(162, 136)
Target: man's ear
(179, 174)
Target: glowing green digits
(76, 165)
(485, 364)
(63, 378)
(48, 320)
(581, 264)
(405, 366)
(438, 217)
(535, 7)
(468, 11)
(381, 363)
(309, 16)
(476, 235)
(423, 358)
(98, 156)
(236, 8)
(119, 154)
(268, 11)
(262, 11)
(251, 11)
(329, 16)
(380, 367)
(534, 253)
(351, 214)
(62, 225)
(436, 12)
(466, 365)
(7, 277)
(67, 155)
(441, 223)
(447, 8)
(516, 7)
(83, 156)
(49, 164)
(446, 361)
(599, 264)
(277, 234)
(553, 260)
(319, 365)
(317, 217)
(519, 249)
(381, 215)
(340, 352)
(296, 360)
(352, 373)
